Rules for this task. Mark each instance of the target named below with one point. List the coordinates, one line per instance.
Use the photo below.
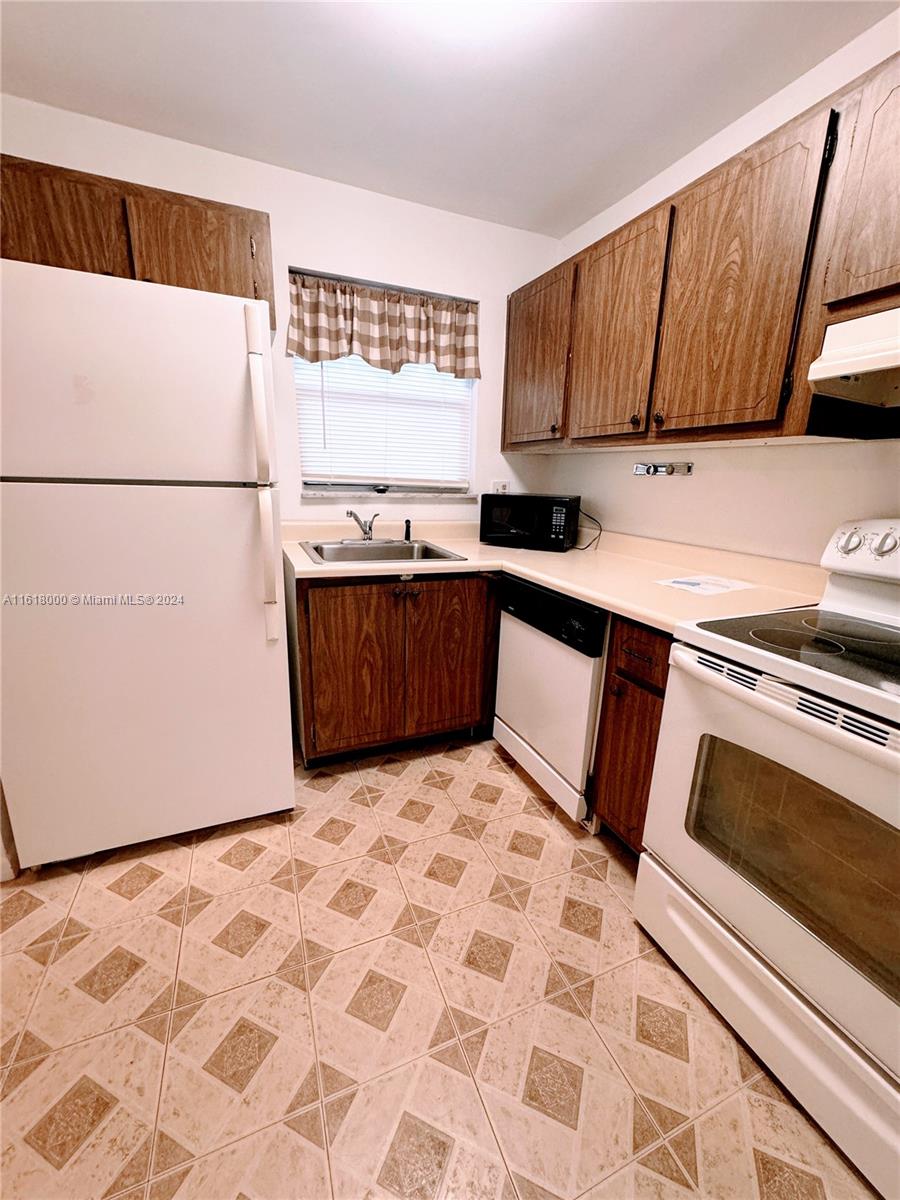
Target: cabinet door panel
(627, 747)
(735, 269)
(189, 245)
(537, 350)
(866, 251)
(62, 218)
(617, 303)
(356, 649)
(445, 623)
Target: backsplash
(783, 501)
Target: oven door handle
(780, 704)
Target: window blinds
(359, 425)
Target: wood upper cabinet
(539, 318)
(617, 311)
(737, 259)
(64, 218)
(187, 243)
(630, 717)
(380, 662)
(445, 653)
(356, 664)
(865, 253)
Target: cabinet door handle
(659, 418)
(398, 592)
(415, 593)
(644, 658)
(615, 690)
(554, 428)
(634, 420)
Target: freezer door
(108, 378)
(123, 720)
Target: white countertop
(620, 574)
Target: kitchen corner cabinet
(383, 661)
(539, 318)
(630, 717)
(618, 301)
(865, 254)
(63, 218)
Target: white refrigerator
(143, 657)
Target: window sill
(387, 497)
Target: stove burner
(796, 640)
(852, 629)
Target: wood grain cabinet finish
(356, 665)
(63, 219)
(539, 318)
(617, 312)
(865, 255)
(445, 654)
(631, 713)
(188, 244)
(739, 246)
(82, 222)
(799, 230)
(386, 661)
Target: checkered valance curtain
(334, 318)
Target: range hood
(860, 360)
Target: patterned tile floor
(424, 982)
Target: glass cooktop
(864, 651)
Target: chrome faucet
(365, 526)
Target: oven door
(780, 809)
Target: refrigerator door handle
(260, 418)
(256, 324)
(270, 564)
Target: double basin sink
(377, 550)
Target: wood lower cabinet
(630, 718)
(445, 654)
(63, 218)
(539, 318)
(739, 246)
(865, 255)
(617, 313)
(356, 665)
(384, 661)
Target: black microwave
(529, 521)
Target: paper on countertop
(705, 585)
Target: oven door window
(825, 861)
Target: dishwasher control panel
(573, 622)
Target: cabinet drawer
(639, 652)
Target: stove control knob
(886, 544)
(850, 542)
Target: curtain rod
(388, 287)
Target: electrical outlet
(501, 486)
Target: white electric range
(772, 866)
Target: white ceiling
(536, 115)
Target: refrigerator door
(108, 378)
(122, 720)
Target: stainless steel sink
(377, 550)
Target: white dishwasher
(548, 687)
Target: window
(363, 427)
